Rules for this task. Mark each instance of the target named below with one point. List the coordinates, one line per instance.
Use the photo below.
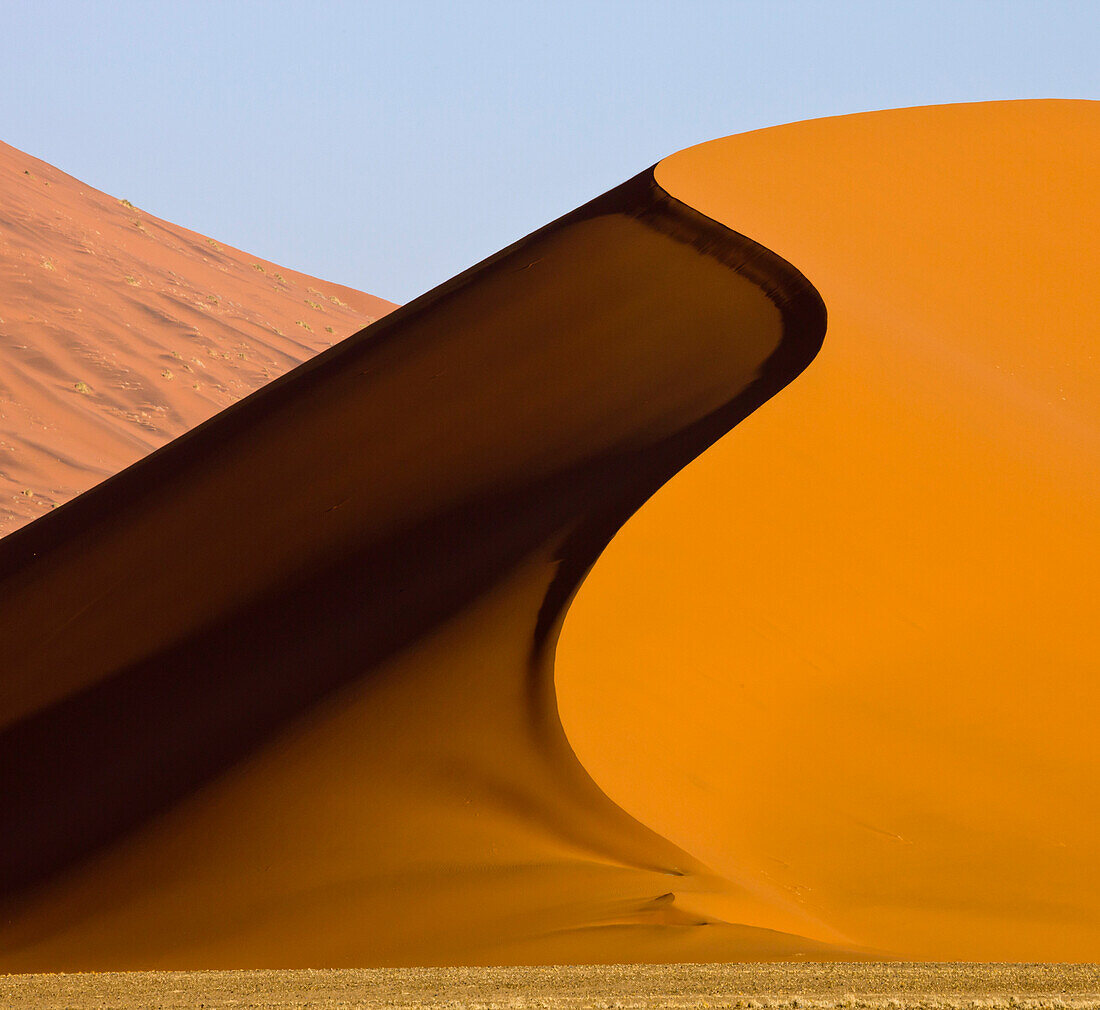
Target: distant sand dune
(120, 331)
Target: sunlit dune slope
(281, 693)
(851, 656)
(119, 331)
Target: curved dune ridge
(281, 693)
(851, 655)
(120, 331)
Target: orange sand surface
(119, 331)
(283, 693)
(850, 657)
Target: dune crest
(121, 331)
(281, 693)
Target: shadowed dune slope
(852, 653)
(119, 331)
(281, 693)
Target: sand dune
(120, 331)
(281, 693)
(851, 654)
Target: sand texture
(284, 693)
(119, 331)
(573, 987)
(851, 654)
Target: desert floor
(891, 985)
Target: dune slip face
(281, 694)
(119, 331)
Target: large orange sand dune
(852, 655)
(283, 692)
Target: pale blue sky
(390, 145)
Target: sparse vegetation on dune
(89, 306)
